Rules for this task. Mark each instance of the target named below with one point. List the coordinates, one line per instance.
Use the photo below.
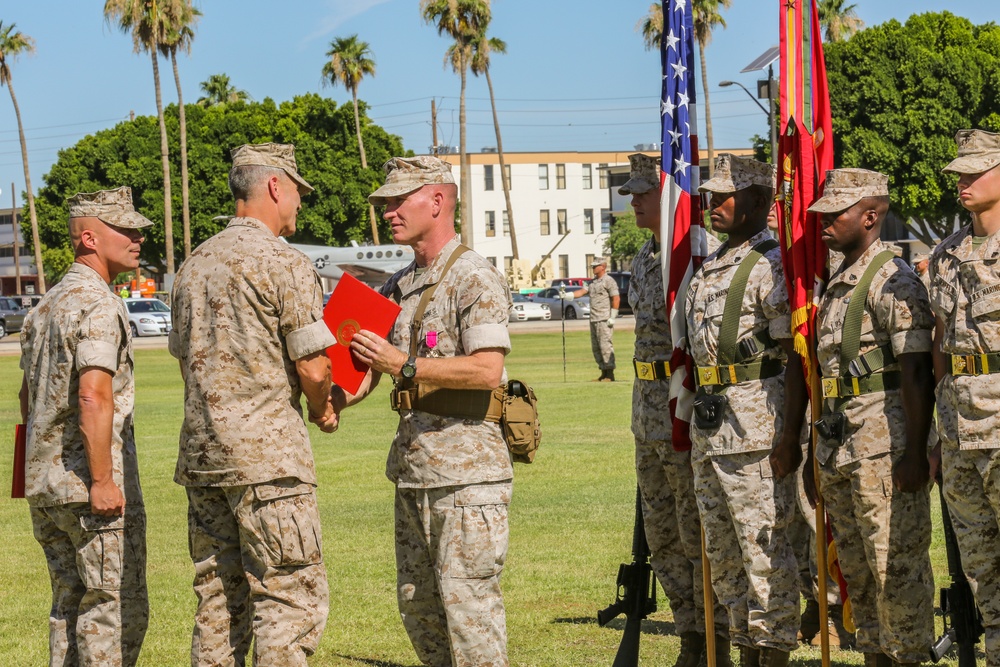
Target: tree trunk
(35, 241)
(182, 117)
(168, 220)
(463, 161)
(364, 163)
(710, 146)
(503, 169)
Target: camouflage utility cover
(734, 173)
(644, 175)
(978, 151)
(846, 187)
(404, 175)
(278, 156)
(113, 207)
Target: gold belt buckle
(644, 370)
(963, 364)
(708, 375)
(830, 388)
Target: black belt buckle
(831, 426)
(709, 410)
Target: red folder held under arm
(20, 447)
(354, 306)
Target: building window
(564, 266)
(510, 181)
(492, 260)
(588, 177)
(506, 223)
(560, 177)
(491, 223)
(508, 265)
(561, 220)
(588, 260)
(543, 222)
(543, 177)
(603, 169)
(488, 177)
(588, 221)
(605, 221)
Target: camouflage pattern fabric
(451, 545)
(246, 305)
(468, 312)
(755, 413)
(883, 537)
(802, 536)
(97, 564)
(964, 276)
(666, 481)
(744, 511)
(602, 345)
(452, 475)
(79, 323)
(897, 314)
(259, 573)
(601, 291)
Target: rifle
(636, 594)
(963, 624)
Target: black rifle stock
(636, 595)
(962, 621)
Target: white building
(551, 194)
(8, 274)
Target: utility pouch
(831, 426)
(709, 410)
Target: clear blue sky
(576, 76)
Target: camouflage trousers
(451, 544)
(97, 567)
(972, 491)
(259, 573)
(745, 513)
(602, 345)
(673, 531)
(802, 535)
(883, 537)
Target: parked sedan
(572, 309)
(11, 315)
(148, 317)
(525, 309)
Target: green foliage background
(326, 150)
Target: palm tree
(147, 21)
(706, 16)
(480, 64)
(180, 34)
(350, 61)
(838, 19)
(13, 43)
(216, 89)
(464, 21)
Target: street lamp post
(769, 111)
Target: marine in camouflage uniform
(744, 507)
(875, 477)
(966, 300)
(250, 339)
(452, 471)
(88, 517)
(666, 482)
(604, 299)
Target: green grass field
(571, 524)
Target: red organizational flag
(682, 233)
(805, 153)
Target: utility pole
(17, 246)
(434, 125)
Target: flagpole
(709, 597)
(822, 566)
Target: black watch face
(409, 370)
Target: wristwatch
(409, 369)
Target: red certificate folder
(20, 446)
(354, 306)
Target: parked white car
(148, 317)
(574, 309)
(525, 309)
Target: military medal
(431, 339)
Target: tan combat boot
(692, 648)
(809, 622)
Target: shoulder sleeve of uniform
(99, 335)
(902, 309)
(612, 286)
(301, 299)
(774, 296)
(484, 304)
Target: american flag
(682, 233)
